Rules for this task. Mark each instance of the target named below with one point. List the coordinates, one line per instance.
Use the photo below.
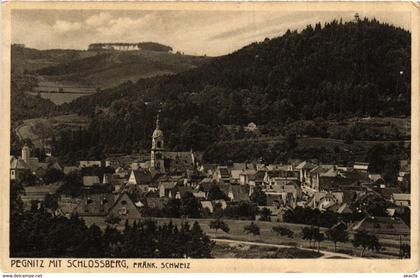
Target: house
(90, 163)
(179, 191)
(221, 174)
(115, 180)
(279, 176)
(257, 179)
(199, 194)
(404, 173)
(120, 171)
(54, 164)
(205, 183)
(316, 173)
(106, 205)
(304, 169)
(281, 199)
(221, 202)
(344, 209)
(276, 212)
(66, 205)
(207, 205)
(38, 168)
(111, 162)
(356, 180)
(243, 166)
(238, 193)
(90, 180)
(251, 127)
(140, 177)
(70, 169)
(374, 177)
(208, 169)
(284, 186)
(18, 168)
(401, 199)
(361, 166)
(37, 193)
(246, 175)
(166, 189)
(326, 201)
(156, 203)
(382, 225)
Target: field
(59, 98)
(240, 250)
(40, 129)
(390, 243)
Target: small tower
(26, 154)
(193, 162)
(158, 150)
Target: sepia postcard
(209, 137)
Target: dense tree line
(25, 106)
(315, 217)
(37, 233)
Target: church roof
(157, 133)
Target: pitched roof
(242, 166)
(401, 196)
(305, 165)
(45, 189)
(207, 204)
(96, 204)
(158, 203)
(209, 167)
(90, 180)
(344, 208)
(142, 176)
(68, 169)
(321, 169)
(281, 174)
(18, 163)
(224, 172)
(258, 176)
(167, 184)
(239, 192)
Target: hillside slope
(110, 68)
(336, 71)
(99, 69)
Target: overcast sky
(192, 32)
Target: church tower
(158, 150)
(26, 154)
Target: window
(122, 211)
(158, 156)
(13, 172)
(159, 144)
(123, 202)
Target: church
(167, 162)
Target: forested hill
(341, 69)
